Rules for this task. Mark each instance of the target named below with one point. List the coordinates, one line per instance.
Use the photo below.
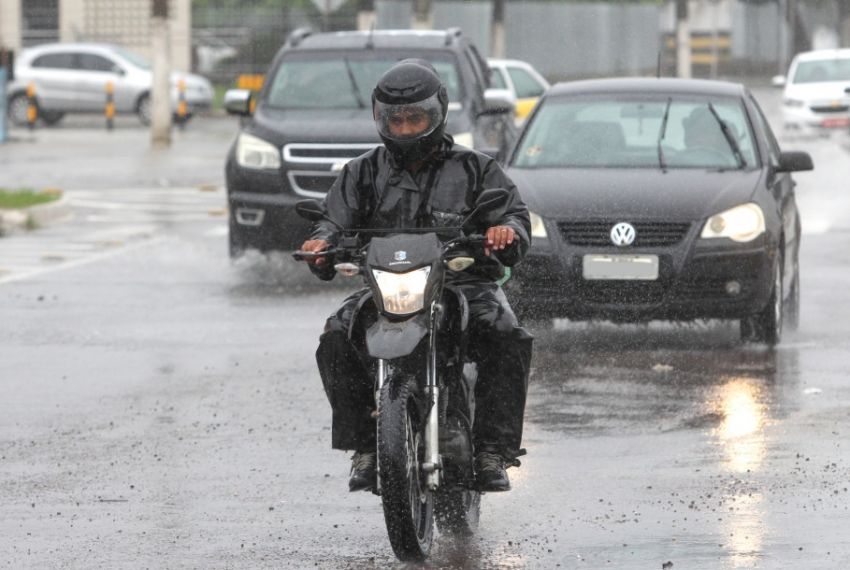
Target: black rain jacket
(373, 191)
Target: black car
(314, 113)
(658, 199)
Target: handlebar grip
(308, 255)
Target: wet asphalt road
(162, 409)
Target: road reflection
(741, 430)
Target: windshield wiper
(354, 89)
(662, 133)
(730, 138)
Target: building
(25, 23)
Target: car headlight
(463, 139)
(402, 293)
(538, 230)
(793, 102)
(253, 152)
(741, 223)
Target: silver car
(73, 78)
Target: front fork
(432, 463)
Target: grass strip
(25, 197)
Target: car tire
(143, 109)
(235, 246)
(16, 109)
(766, 325)
(792, 311)
(51, 118)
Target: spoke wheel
(408, 504)
(458, 511)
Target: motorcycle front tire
(408, 504)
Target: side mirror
(238, 102)
(310, 210)
(778, 81)
(498, 102)
(795, 162)
(490, 201)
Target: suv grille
(311, 168)
(647, 234)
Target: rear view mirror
(795, 162)
(310, 210)
(498, 101)
(490, 202)
(238, 102)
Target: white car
(73, 77)
(522, 80)
(817, 91)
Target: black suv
(314, 114)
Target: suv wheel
(17, 109)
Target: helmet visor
(409, 121)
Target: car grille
(622, 293)
(313, 167)
(647, 234)
(830, 108)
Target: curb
(33, 217)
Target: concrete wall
(10, 24)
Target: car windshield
(629, 131)
(327, 80)
(134, 58)
(822, 70)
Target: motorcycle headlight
(253, 152)
(402, 293)
(742, 224)
(538, 230)
(463, 139)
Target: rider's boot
(490, 473)
(363, 471)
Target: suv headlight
(742, 224)
(253, 152)
(538, 230)
(402, 293)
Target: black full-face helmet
(410, 105)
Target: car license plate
(626, 267)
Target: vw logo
(623, 234)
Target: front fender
(393, 339)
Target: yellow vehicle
(522, 80)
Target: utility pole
(497, 41)
(161, 89)
(683, 40)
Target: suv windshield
(323, 80)
(822, 70)
(629, 131)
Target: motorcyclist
(420, 178)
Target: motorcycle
(414, 324)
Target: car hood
(826, 91)
(281, 126)
(677, 195)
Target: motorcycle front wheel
(408, 504)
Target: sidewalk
(33, 217)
